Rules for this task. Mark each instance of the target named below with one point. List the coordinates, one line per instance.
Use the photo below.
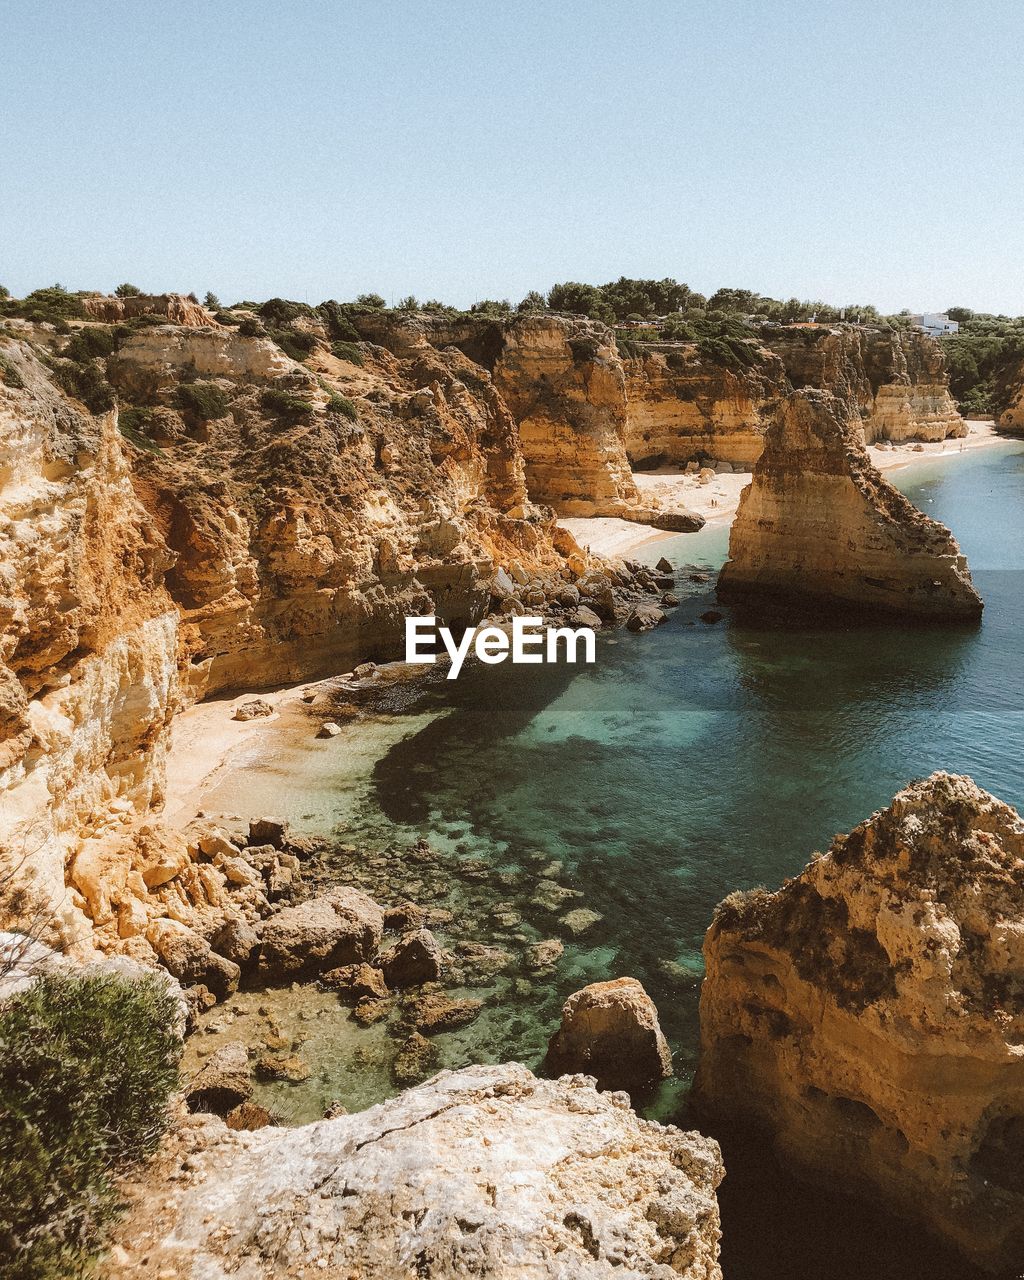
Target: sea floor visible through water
(611, 807)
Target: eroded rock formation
(610, 1030)
(869, 1016)
(485, 1172)
(177, 307)
(686, 405)
(819, 523)
(239, 519)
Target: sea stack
(867, 1019)
(819, 524)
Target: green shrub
(203, 401)
(86, 382)
(628, 348)
(90, 342)
(279, 311)
(10, 375)
(211, 302)
(371, 301)
(335, 317)
(284, 404)
(250, 327)
(343, 405)
(225, 317)
(294, 342)
(87, 1065)
(583, 349)
(347, 351)
(53, 305)
(128, 291)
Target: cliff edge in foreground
(869, 1016)
(819, 523)
(480, 1172)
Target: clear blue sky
(860, 151)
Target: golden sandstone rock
(868, 1017)
(819, 524)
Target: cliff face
(682, 407)
(178, 308)
(869, 1016)
(1010, 396)
(249, 524)
(88, 633)
(565, 386)
(896, 383)
(304, 535)
(820, 523)
(549, 1179)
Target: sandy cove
(717, 500)
(207, 744)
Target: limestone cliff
(895, 382)
(820, 524)
(238, 519)
(565, 385)
(869, 1015)
(176, 307)
(1009, 396)
(485, 1172)
(88, 633)
(683, 404)
(685, 407)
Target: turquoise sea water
(688, 762)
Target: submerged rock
(820, 523)
(414, 959)
(342, 926)
(868, 1017)
(610, 1030)
(485, 1172)
(223, 1083)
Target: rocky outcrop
(610, 1030)
(88, 635)
(485, 1172)
(869, 1016)
(821, 525)
(566, 386)
(1009, 398)
(178, 308)
(685, 403)
(685, 407)
(895, 382)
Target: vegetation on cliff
(87, 1065)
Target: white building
(934, 324)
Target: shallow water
(688, 762)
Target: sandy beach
(207, 743)
(717, 500)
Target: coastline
(718, 500)
(207, 745)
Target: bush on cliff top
(87, 1065)
(203, 401)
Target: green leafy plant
(90, 342)
(87, 1065)
(86, 382)
(128, 291)
(347, 351)
(250, 327)
(284, 404)
(203, 401)
(343, 405)
(10, 375)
